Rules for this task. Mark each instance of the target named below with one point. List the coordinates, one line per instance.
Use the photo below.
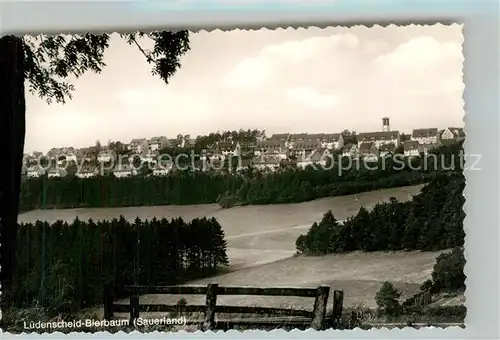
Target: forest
(432, 220)
(289, 185)
(62, 267)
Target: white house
(237, 150)
(35, 171)
(87, 172)
(71, 157)
(453, 134)
(411, 148)
(162, 169)
(138, 145)
(106, 156)
(124, 170)
(425, 136)
(379, 138)
(158, 143)
(57, 173)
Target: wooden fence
(419, 300)
(274, 316)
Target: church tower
(385, 124)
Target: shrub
(448, 271)
(387, 299)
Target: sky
(295, 80)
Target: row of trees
(432, 220)
(185, 187)
(63, 266)
(250, 187)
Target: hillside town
(263, 153)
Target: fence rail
(286, 316)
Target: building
(350, 150)
(368, 151)
(138, 145)
(386, 150)
(266, 163)
(306, 146)
(124, 170)
(452, 134)
(386, 127)
(57, 173)
(411, 148)
(151, 156)
(56, 153)
(348, 137)
(87, 172)
(237, 150)
(244, 164)
(379, 138)
(295, 138)
(272, 148)
(162, 169)
(425, 136)
(106, 156)
(404, 137)
(158, 143)
(317, 157)
(280, 136)
(35, 171)
(332, 141)
(224, 148)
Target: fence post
(134, 308)
(108, 302)
(319, 311)
(338, 303)
(209, 323)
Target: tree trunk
(12, 131)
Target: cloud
(256, 71)
(250, 73)
(421, 52)
(309, 97)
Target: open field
(261, 245)
(255, 234)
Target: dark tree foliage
(387, 299)
(253, 187)
(448, 273)
(433, 220)
(45, 63)
(62, 266)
